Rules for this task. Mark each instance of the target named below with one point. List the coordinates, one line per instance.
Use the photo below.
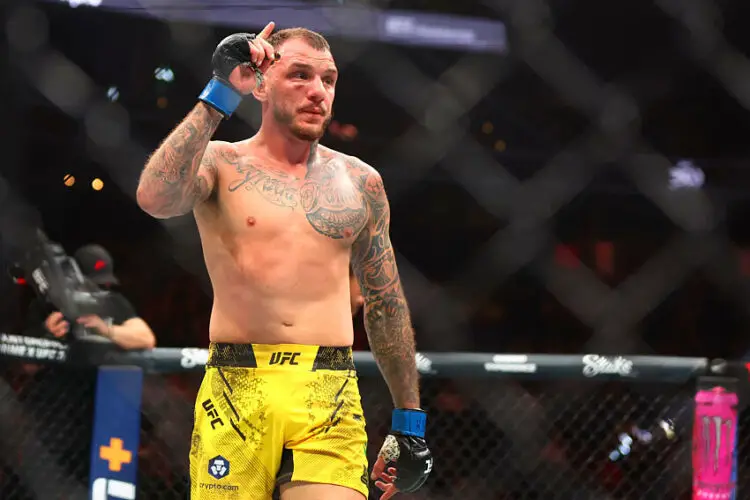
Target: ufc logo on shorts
(208, 405)
(104, 489)
(279, 358)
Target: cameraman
(123, 326)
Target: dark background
(438, 227)
(600, 267)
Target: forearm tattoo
(387, 318)
(172, 180)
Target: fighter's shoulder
(219, 153)
(366, 177)
(355, 166)
(223, 146)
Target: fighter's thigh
(328, 445)
(300, 490)
(235, 451)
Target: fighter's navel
(287, 323)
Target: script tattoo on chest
(331, 200)
(276, 188)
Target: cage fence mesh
(547, 459)
(46, 414)
(526, 441)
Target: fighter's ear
(261, 89)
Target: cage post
(116, 434)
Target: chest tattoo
(333, 204)
(331, 200)
(277, 189)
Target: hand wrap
(231, 52)
(404, 461)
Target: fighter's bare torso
(277, 242)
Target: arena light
(349, 132)
(69, 180)
(487, 128)
(87, 3)
(686, 175)
(97, 184)
(343, 131)
(113, 93)
(164, 74)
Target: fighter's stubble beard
(286, 118)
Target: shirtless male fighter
(281, 219)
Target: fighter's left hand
(404, 461)
(95, 323)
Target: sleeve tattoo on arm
(179, 176)
(387, 318)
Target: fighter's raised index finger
(268, 49)
(267, 31)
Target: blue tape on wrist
(409, 422)
(220, 96)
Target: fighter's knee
(303, 490)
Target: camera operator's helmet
(96, 264)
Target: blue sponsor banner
(116, 433)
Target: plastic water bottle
(715, 445)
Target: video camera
(57, 279)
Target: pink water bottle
(715, 445)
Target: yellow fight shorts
(270, 414)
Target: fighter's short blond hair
(315, 40)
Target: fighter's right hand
(238, 62)
(237, 57)
(56, 324)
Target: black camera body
(57, 279)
